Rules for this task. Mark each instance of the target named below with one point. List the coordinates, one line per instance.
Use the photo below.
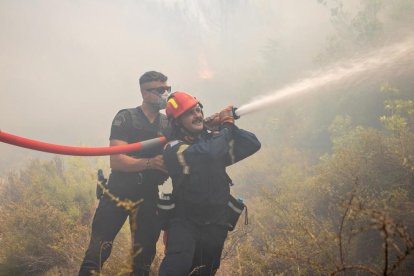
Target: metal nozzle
(233, 111)
(235, 116)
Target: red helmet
(178, 103)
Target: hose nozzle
(234, 111)
(211, 118)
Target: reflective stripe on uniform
(231, 152)
(235, 209)
(181, 159)
(166, 207)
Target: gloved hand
(226, 115)
(212, 122)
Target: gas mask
(162, 101)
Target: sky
(67, 66)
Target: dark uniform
(130, 125)
(198, 227)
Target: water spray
(391, 58)
(383, 58)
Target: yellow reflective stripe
(231, 152)
(181, 159)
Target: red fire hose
(79, 151)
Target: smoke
(68, 66)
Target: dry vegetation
(345, 207)
(350, 212)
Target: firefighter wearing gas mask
(134, 176)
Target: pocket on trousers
(235, 208)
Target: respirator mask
(162, 101)
(163, 93)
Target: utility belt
(166, 206)
(119, 184)
(154, 177)
(127, 184)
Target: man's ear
(177, 122)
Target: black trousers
(108, 220)
(192, 249)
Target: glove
(226, 115)
(212, 122)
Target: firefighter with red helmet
(196, 160)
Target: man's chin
(196, 130)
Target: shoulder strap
(137, 119)
(162, 124)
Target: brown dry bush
(46, 212)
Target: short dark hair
(152, 76)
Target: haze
(68, 66)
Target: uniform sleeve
(214, 147)
(120, 126)
(173, 158)
(244, 144)
(227, 147)
(179, 156)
